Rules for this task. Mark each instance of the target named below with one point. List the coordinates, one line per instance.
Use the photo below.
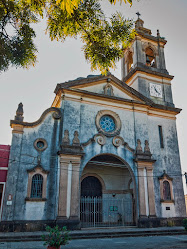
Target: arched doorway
(91, 201)
(91, 187)
(107, 193)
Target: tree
(103, 39)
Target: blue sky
(59, 62)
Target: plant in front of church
(185, 224)
(56, 237)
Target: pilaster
(75, 190)
(141, 187)
(151, 191)
(62, 201)
(69, 181)
(145, 181)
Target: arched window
(37, 186)
(150, 58)
(129, 62)
(166, 191)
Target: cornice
(150, 37)
(56, 115)
(150, 104)
(148, 71)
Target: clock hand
(156, 89)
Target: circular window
(40, 144)
(107, 123)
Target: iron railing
(105, 212)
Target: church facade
(105, 153)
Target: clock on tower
(155, 90)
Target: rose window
(107, 123)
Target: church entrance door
(107, 193)
(91, 201)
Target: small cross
(138, 14)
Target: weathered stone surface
(74, 141)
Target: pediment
(108, 87)
(93, 86)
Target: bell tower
(144, 67)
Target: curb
(74, 236)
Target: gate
(105, 212)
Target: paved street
(152, 242)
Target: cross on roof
(138, 14)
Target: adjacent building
(4, 158)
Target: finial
(65, 140)
(76, 140)
(19, 113)
(139, 147)
(138, 14)
(146, 148)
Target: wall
(79, 116)
(23, 157)
(134, 126)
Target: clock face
(156, 90)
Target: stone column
(141, 187)
(62, 201)
(75, 190)
(151, 192)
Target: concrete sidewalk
(96, 233)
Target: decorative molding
(17, 128)
(37, 169)
(118, 141)
(58, 115)
(116, 118)
(100, 139)
(165, 176)
(88, 142)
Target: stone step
(15, 237)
